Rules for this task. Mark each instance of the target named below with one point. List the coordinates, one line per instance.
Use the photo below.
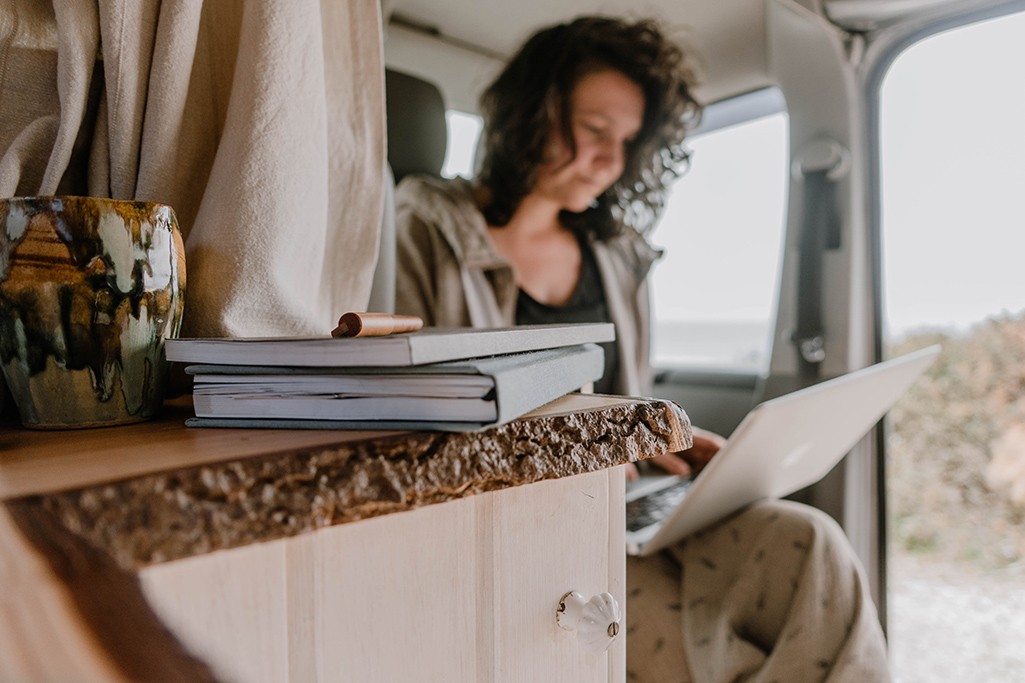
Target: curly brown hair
(531, 97)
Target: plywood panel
(395, 597)
(462, 591)
(229, 608)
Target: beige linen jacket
(449, 273)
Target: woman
(584, 130)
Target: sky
(953, 172)
(953, 164)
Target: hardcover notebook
(780, 447)
(456, 396)
(429, 345)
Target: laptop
(781, 446)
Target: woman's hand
(692, 460)
(706, 445)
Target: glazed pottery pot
(89, 290)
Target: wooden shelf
(83, 511)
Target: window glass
(463, 131)
(714, 292)
(953, 172)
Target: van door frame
(883, 47)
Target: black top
(585, 305)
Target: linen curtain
(261, 122)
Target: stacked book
(452, 379)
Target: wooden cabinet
(246, 545)
(460, 591)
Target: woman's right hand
(705, 445)
(671, 463)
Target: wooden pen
(354, 324)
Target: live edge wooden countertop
(83, 510)
(158, 491)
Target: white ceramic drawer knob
(596, 621)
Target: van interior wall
(461, 44)
(458, 71)
(811, 62)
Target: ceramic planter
(89, 290)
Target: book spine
(524, 388)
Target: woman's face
(606, 113)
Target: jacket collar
(449, 206)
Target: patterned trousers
(771, 594)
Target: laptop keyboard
(655, 506)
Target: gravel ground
(952, 624)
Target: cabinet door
(549, 539)
(461, 591)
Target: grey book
(452, 396)
(429, 345)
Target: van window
(953, 170)
(463, 131)
(722, 230)
(714, 291)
